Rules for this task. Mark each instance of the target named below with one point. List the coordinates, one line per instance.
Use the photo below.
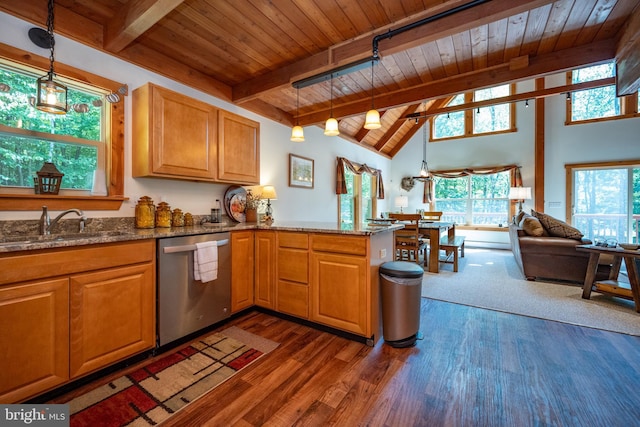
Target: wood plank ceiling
(249, 52)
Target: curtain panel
(358, 169)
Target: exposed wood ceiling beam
(394, 128)
(628, 57)
(360, 48)
(133, 20)
(539, 66)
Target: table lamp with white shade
(269, 193)
(402, 202)
(520, 194)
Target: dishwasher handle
(187, 248)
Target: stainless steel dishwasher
(186, 305)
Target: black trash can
(400, 288)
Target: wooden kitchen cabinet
(293, 274)
(34, 335)
(340, 291)
(265, 272)
(238, 149)
(242, 268)
(174, 136)
(112, 316)
(64, 312)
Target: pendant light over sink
(52, 95)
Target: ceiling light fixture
(424, 168)
(297, 133)
(52, 95)
(372, 119)
(526, 103)
(331, 126)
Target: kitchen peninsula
(317, 272)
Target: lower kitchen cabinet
(70, 311)
(242, 269)
(34, 338)
(112, 316)
(340, 293)
(292, 287)
(265, 273)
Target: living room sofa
(552, 257)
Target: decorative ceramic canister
(145, 213)
(163, 215)
(188, 219)
(177, 219)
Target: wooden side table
(612, 286)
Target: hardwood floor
(475, 367)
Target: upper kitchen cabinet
(238, 149)
(175, 136)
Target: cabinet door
(242, 267)
(174, 135)
(339, 292)
(238, 149)
(34, 337)
(265, 274)
(112, 316)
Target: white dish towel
(205, 261)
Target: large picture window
(480, 200)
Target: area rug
(490, 278)
(154, 392)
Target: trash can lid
(403, 269)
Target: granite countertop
(24, 242)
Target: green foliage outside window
(474, 199)
(598, 102)
(452, 124)
(22, 154)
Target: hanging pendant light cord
(372, 62)
(51, 39)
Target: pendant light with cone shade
(297, 133)
(331, 126)
(372, 119)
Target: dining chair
(431, 215)
(408, 240)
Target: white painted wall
(317, 204)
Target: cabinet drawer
(293, 240)
(293, 298)
(31, 265)
(293, 265)
(352, 245)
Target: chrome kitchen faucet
(46, 223)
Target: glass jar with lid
(145, 213)
(177, 218)
(163, 215)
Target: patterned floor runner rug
(157, 390)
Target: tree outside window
(474, 199)
(74, 142)
(598, 102)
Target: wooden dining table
(433, 230)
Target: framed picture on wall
(300, 171)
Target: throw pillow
(518, 217)
(531, 226)
(557, 228)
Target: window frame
(511, 210)
(358, 200)
(628, 105)
(469, 121)
(114, 143)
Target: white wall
(317, 204)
